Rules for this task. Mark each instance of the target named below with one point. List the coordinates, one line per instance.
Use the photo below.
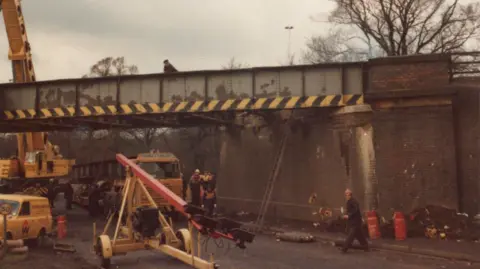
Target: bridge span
(196, 98)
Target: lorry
(106, 179)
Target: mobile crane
(37, 159)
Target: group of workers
(203, 191)
(50, 192)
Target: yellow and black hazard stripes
(97, 110)
(352, 99)
(275, 103)
(19, 114)
(57, 112)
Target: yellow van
(31, 217)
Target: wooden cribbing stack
(14, 247)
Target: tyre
(105, 263)
(103, 251)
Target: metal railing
(465, 65)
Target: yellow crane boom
(37, 157)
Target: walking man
(354, 223)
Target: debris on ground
(297, 237)
(64, 248)
(439, 222)
(41, 258)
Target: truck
(107, 178)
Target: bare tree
(110, 142)
(145, 137)
(402, 27)
(196, 142)
(233, 64)
(335, 46)
(110, 66)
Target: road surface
(264, 253)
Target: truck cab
(165, 167)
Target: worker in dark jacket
(51, 192)
(93, 200)
(354, 223)
(195, 188)
(168, 67)
(68, 195)
(209, 200)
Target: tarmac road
(264, 253)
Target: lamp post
(289, 28)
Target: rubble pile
(437, 222)
(430, 221)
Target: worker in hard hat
(195, 188)
(354, 223)
(203, 181)
(208, 180)
(209, 200)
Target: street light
(289, 28)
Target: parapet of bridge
(197, 96)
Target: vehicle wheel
(104, 251)
(105, 263)
(186, 240)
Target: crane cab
(37, 165)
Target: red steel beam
(166, 193)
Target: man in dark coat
(51, 192)
(168, 67)
(209, 200)
(354, 223)
(93, 200)
(68, 195)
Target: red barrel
(373, 227)
(61, 227)
(400, 226)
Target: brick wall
(415, 166)
(468, 131)
(408, 73)
(415, 151)
(415, 158)
(312, 164)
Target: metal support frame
(125, 239)
(176, 244)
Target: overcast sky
(68, 36)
